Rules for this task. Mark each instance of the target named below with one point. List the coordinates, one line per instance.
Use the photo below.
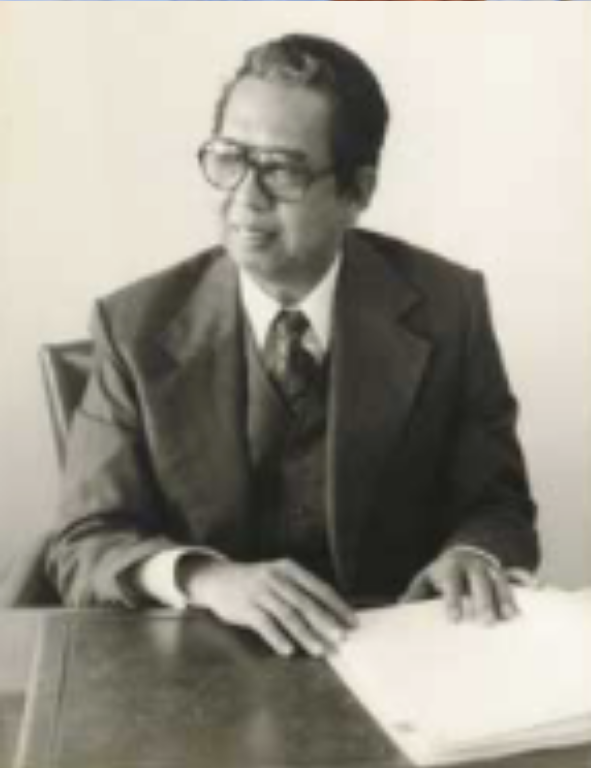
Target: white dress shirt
(262, 309)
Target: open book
(448, 693)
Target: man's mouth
(253, 234)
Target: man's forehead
(283, 116)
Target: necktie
(291, 366)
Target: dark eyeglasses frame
(252, 162)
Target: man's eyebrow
(295, 154)
(272, 149)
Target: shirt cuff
(493, 561)
(156, 576)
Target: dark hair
(359, 108)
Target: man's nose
(251, 191)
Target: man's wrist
(161, 576)
(518, 576)
(491, 560)
(192, 569)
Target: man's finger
(320, 591)
(481, 592)
(271, 633)
(420, 588)
(292, 622)
(505, 596)
(322, 621)
(450, 583)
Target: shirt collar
(317, 306)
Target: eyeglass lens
(225, 166)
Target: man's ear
(366, 183)
(361, 192)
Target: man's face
(285, 246)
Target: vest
(288, 461)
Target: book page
(466, 684)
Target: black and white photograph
(295, 306)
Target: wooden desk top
(118, 690)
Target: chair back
(65, 369)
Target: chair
(65, 369)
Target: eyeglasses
(281, 175)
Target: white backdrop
(102, 106)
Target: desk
(161, 691)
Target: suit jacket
(422, 451)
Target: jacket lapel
(378, 365)
(202, 399)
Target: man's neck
(317, 304)
(292, 292)
(286, 295)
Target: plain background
(103, 105)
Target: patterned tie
(291, 366)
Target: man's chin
(253, 252)
(258, 262)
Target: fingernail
(315, 649)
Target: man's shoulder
(412, 261)
(147, 304)
(432, 275)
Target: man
(308, 417)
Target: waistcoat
(288, 460)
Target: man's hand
(282, 602)
(472, 587)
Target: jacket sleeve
(489, 488)
(110, 510)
